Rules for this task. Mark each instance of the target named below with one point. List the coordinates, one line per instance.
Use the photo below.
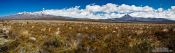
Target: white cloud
(111, 11)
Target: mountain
(41, 16)
(128, 18)
(29, 16)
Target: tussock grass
(84, 37)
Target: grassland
(43, 36)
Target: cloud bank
(110, 11)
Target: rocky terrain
(52, 36)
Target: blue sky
(8, 7)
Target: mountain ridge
(128, 18)
(42, 16)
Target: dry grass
(84, 37)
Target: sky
(8, 7)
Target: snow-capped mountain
(32, 16)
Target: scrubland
(44, 36)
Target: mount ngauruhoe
(125, 18)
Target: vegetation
(84, 37)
